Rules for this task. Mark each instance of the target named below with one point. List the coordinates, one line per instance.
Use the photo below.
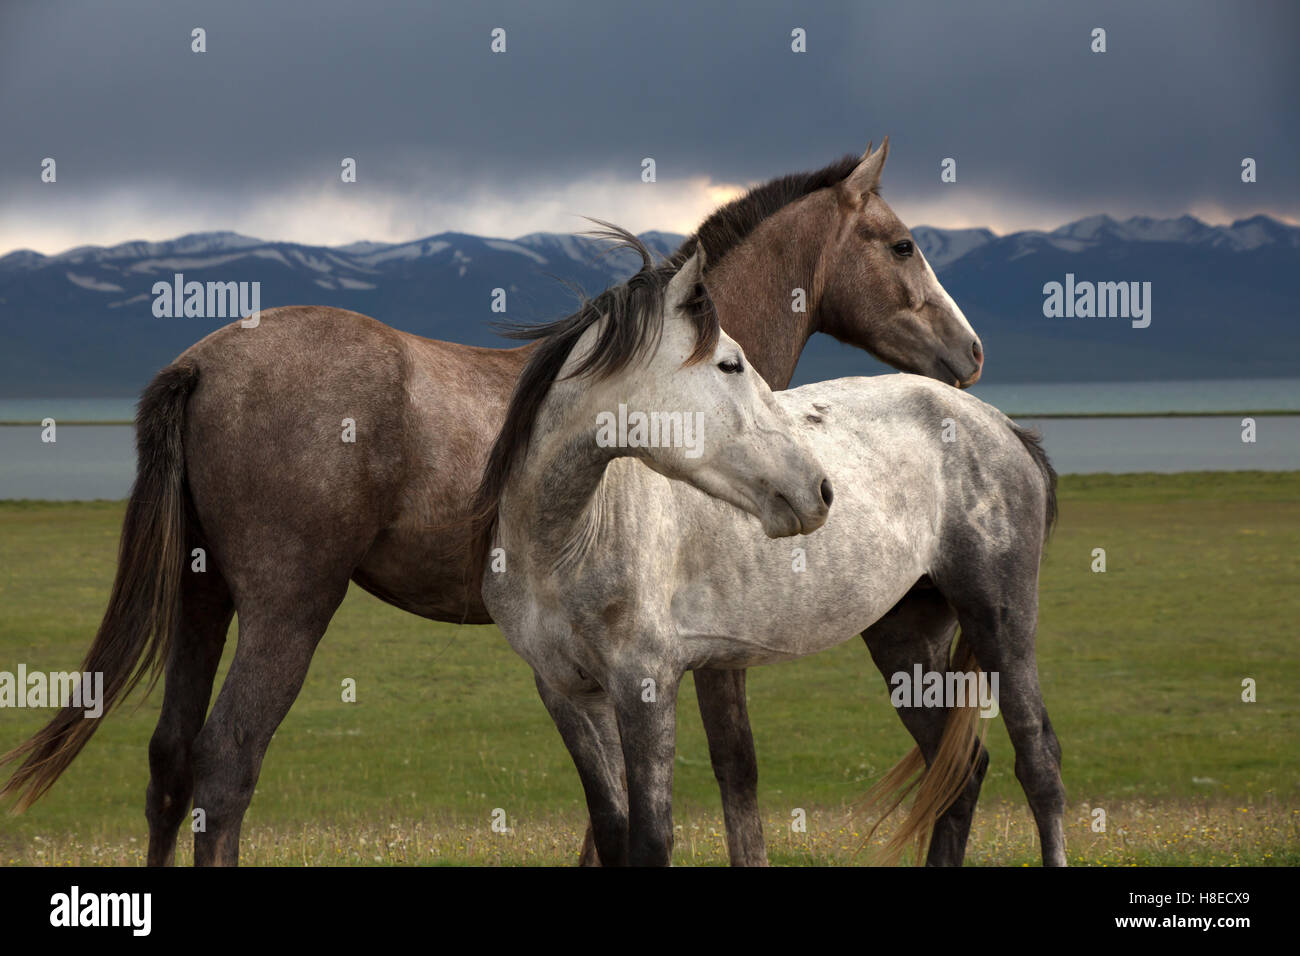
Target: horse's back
(902, 415)
(910, 400)
(922, 437)
(326, 436)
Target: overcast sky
(152, 140)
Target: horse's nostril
(977, 351)
(827, 494)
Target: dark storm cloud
(1159, 123)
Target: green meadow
(1142, 669)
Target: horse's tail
(937, 786)
(135, 634)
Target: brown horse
(240, 453)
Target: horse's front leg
(721, 695)
(645, 702)
(590, 733)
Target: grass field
(1142, 669)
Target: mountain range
(1223, 305)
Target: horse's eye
(903, 249)
(731, 366)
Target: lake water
(98, 461)
(1222, 395)
(1043, 398)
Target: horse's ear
(682, 287)
(866, 177)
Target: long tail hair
(937, 786)
(135, 635)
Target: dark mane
(634, 312)
(731, 225)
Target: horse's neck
(753, 287)
(552, 502)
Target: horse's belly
(765, 625)
(424, 573)
(745, 600)
(742, 650)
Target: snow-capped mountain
(1241, 236)
(942, 246)
(945, 246)
(81, 322)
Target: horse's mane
(732, 224)
(633, 312)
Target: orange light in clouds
(725, 192)
(688, 207)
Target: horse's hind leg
(590, 732)
(721, 695)
(206, 609)
(1000, 623)
(919, 630)
(277, 636)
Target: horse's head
(739, 444)
(880, 294)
